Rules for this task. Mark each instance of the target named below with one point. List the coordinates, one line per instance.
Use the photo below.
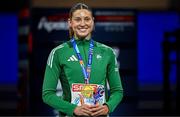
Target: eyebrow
(80, 16)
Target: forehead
(82, 13)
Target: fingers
(86, 109)
(95, 110)
(86, 112)
(83, 110)
(97, 113)
(98, 110)
(84, 106)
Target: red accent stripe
(115, 18)
(24, 13)
(57, 17)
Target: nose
(82, 23)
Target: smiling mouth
(82, 29)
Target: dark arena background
(145, 36)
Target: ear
(69, 22)
(93, 20)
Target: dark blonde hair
(77, 6)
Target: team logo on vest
(98, 56)
(72, 58)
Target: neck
(82, 38)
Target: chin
(82, 36)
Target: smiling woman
(83, 66)
(81, 21)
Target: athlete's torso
(71, 71)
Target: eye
(87, 19)
(77, 19)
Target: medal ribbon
(86, 71)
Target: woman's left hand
(98, 110)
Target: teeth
(82, 30)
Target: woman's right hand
(83, 110)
